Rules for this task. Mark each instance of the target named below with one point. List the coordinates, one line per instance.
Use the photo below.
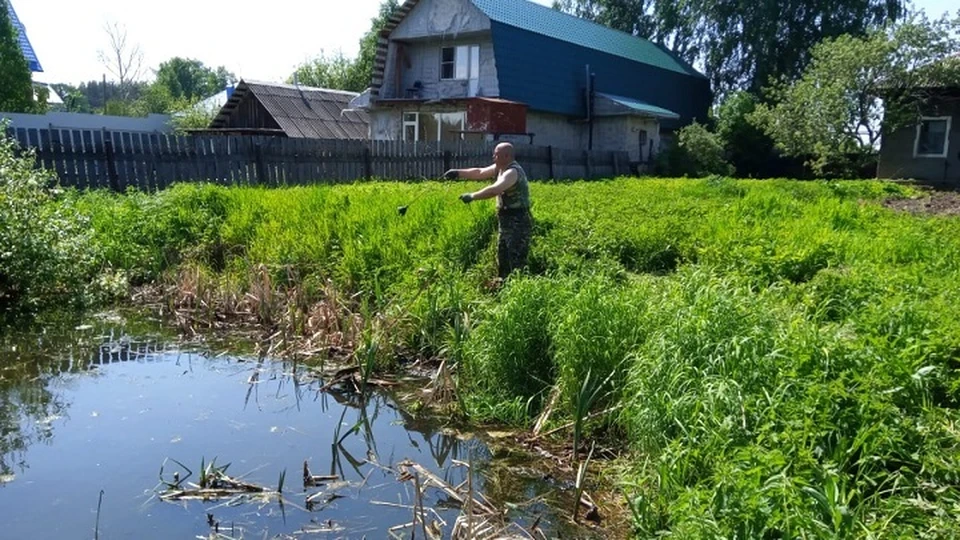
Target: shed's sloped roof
(302, 111)
(638, 106)
(547, 21)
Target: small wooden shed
(286, 110)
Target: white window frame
(462, 117)
(946, 137)
(406, 123)
(471, 55)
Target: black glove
(466, 197)
(452, 174)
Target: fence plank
(69, 158)
(98, 159)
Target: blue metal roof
(546, 21)
(549, 74)
(25, 46)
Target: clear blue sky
(265, 42)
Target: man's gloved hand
(452, 174)
(466, 197)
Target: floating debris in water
(214, 484)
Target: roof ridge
(482, 5)
(564, 13)
(298, 87)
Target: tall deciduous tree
(335, 71)
(16, 84)
(339, 72)
(191, 79)
(740, 44)
(858, 88)
(122, 58)
(368, 43)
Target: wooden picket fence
(119, 160)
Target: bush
(704, 151)
(46, 257)
(698, 153)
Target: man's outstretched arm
(504, 183)
(475, 173)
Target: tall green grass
(780, 357)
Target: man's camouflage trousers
(515, 227)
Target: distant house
(929, 150)
(23, 40)
(54, 102)
(216, 101)
(450, 70)
(285, 110)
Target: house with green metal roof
(449, 70)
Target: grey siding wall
(385, 125)
(441, 18)
(388, 89)
(433, 24)
(555, 130)
(896, 153)
(623, 133)
(425, 67)
(609, 133)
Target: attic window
(933, 137)
(460, 63)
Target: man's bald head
(503, 154)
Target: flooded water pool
(95, 417)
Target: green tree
(363, 66)
(703, 151)
(191, 79)
(338, 72)
(751, 151)
(335, 71)
(74, 100)
(858, 88)
(16, 84)
(741, 44)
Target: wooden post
(616, 163)
(587, 164)
(550, 159)
(258, 155)
(367, 162)
(446, 160)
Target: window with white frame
(450, 126)
(933, 137)
(461, 62)
(411, 132)
(434, 127)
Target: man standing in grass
(512, 191)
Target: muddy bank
(932, 202)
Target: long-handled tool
(402, 210)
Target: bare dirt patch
(945, 203)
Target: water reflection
(103, 404)
(34, 362)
